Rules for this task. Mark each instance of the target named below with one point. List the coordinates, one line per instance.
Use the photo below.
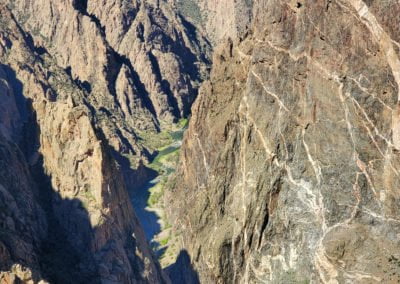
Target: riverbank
(148, 200)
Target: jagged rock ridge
(139, 62)
(79, 86)
(81, 225)
(289, 169)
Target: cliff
(66, 214)
(218, 19)
(290, 167)
(139, 63)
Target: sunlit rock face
(290, 167)
(82, 84)
(218, 19)
(289, 170)
(65, 211)
(141, 63)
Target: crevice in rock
(81, 6)
(263, 227)
(144, 94)
(83, 85)
(115, 64)
(165, 86)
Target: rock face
(219, 19)
(139, 63)
(289, 170)
(290, 167)
(23, 224)
(65, 212)
(83, 86)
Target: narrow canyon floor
(148, 200)
(287, 172)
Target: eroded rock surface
(65, 212)
(290, 166)
(289, 170)
(219, 19)
(140, 63)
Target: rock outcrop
(289, 170)
(139, 63)
(290, 167)
(65, 212)
(219, 19)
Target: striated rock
(219, 19)
(290, 167)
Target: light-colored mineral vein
(315, 165)
(205, 163)
(365, 90)
(281, 104)
(382, 38)
(327, 271)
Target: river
(148, 202)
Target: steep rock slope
(139, 62)
(290, 167)
(23, 225)
(67, 214)
(219, 19)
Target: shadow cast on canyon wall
(64, 255)
(57, 256)
(138, 182)
(67, 253)
(182, 271)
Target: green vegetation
(167, 144)
(165, 241)
(183, 122)
(88, 198)
(156, 193)
(154, 140)
(165, 160)
(167, 225)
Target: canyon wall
(83, 85)
(218, 19)
(139, 63)
(67, 214)
(289, 170)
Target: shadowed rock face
(289, 171)
(65, 212)
(290, 166)
(80, 82)
(138, 62)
